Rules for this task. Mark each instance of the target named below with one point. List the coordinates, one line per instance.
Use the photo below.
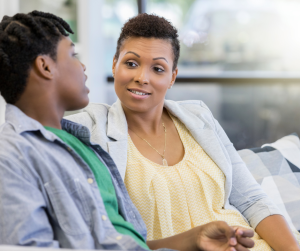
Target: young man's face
(69, 77)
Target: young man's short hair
(22, 38)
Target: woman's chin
(137, 108)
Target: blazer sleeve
(246, 194)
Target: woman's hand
(213, 236)
(219, 236)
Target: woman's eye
(158, 69)
(131, 64)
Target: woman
(179, 167)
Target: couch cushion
(276, 167)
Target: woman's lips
(138, 96)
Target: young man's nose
(83, 66)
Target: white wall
(8, 8)
(90, 40)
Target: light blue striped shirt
(48, 194)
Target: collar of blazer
(117, 127)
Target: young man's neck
(42, 109)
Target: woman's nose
(142, 76)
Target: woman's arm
(245, 194)
(249, 198)
(276, 232)
(214, 236)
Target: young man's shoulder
(13, 149)
(22, 146)
(9, 137)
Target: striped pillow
(276, 167)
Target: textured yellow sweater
(177, 198)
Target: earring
(171, 87)
(113, 75)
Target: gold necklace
(165, 163)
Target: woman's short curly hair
(150, 26)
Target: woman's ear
(114, 66)
(174, 75)
(44, 67)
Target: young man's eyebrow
(161, 58)
(133, 53)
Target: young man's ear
(44, 67)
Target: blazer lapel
(117, 130)
(118, 152)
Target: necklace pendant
(165, 163)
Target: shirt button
(119, 237)
(132, 214)
(104, 217)
(69, 149)
(90, 180)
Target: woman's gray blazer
(108, 128)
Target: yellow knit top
(177, 198)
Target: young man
(57, 189)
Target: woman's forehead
(147, 45)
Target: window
(240, 57)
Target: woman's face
(143, 73)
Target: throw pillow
(276, 167)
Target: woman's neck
(145, 123)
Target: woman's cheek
(124, 77)
(161, 84)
